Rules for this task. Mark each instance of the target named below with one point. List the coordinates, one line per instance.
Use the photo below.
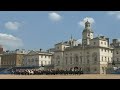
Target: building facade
(37, 59)
(116, 54)
(92, 55)
(12, 58)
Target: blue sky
(42, 29)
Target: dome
(87, 22)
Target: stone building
(37, 59)
(1, 52)
(92, 55)
(116, 54)
(12, 58)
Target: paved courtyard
(84, 76)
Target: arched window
(94, 57)
(58, 57)
(88, 60)
(81, 59)
(58, 60)
(58, 63)
(76, 59)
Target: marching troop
(45, 72)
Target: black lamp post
(113, 63)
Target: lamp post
(113, 63)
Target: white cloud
(10, 41)
(82, 23)
(12, 25)
(115, 13)
(55, 16)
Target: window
(32, 60)
(105, 43)
(88, 61)
(58, 57)
(94, 57)
(105, 58)
(41, 63)
(94, 43)
(105, 50)
(41, 56)
(49, 62)
(45, 56)
(57, 47)
(95, 69)
(58, 62)
(95, 60)
(45, 62)
(76, 59)
(49, 56)
(70, 60)
(36, 59)
(101, 49)
(80, 59)
(14, 62)
(66, 60)
(111, 51)
(101, 42)
(116, 52)
(108, 59)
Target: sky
(32, 30)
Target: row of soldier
(45, 72)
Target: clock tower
(87, 34)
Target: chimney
(115, 40)
(108, 41)
(40, 49)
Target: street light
(113, 63)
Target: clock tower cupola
(87, 33)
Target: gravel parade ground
(83, 76)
